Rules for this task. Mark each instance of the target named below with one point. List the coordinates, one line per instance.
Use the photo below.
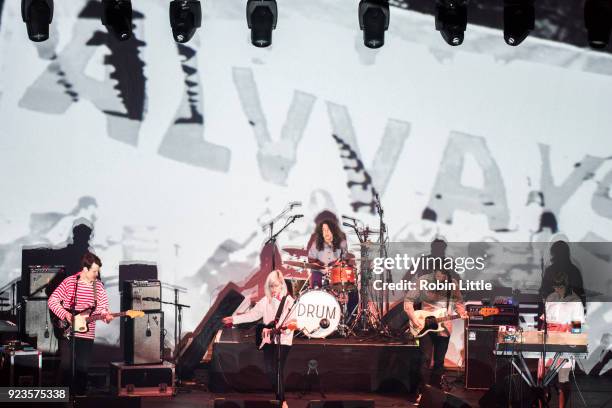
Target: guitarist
(81, 291)
(434, 345)
(272, 308)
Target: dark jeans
(83, 348)
(432, 345)
(270, 362)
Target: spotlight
(451, 20)
(598, 22)
(374, 21)
(519, 20)
(117, 17)
(37, 14)
(185, 19)
(261, 19)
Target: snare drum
(317, 313)
(343, 278)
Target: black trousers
(432, 346)
(83, 349)
(271, 364)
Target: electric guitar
(262, 339)
(429, 322)
(82, 319)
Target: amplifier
(143, 338)
(41, 280)
(39, 324)
(141, 295)
(20, 368)
(508, 316)
(143, 380)
(482, 366)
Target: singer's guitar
(81, 321)
(262, 339)
(429, 322)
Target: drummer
(327, 249)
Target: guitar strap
(279, 311)
(74, 297)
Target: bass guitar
(81, 321)
(429, 321)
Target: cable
(577, 387)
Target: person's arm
(409, 299)
(313, 254)
(59, 295)
(458, 301)
(252, 315)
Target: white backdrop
(190, 195)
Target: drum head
(318, 314)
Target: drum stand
(343, 329)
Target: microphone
(346, 224)
(295, 217)
(148, 331)
(151, 299)
(294, 204)
(346, 217)
(46, 330)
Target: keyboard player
(563, 310)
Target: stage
(596, 392)
(373, 364)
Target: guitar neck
(453, 317)
(100, 317)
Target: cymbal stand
(365, 320)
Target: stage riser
(240, 367)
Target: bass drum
(317, 313)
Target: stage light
(519, 20)
(261, 19)
(598, 22)
(37, 14)
(185, 19)
(451, 20)
(374, 21)
(117, 17)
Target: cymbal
(296, 251)
(300, 264)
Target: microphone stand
(277, 342)
(274, 236)
(382, 240)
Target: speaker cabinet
(190, 355)
(143, 338)
(435, 398)
(482, 366)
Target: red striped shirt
(62, 300)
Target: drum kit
(344, 303)
(332, 308)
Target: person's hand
(464, 315)
(68, 317)
(416, 324)
(108, 318)
(229, 320)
